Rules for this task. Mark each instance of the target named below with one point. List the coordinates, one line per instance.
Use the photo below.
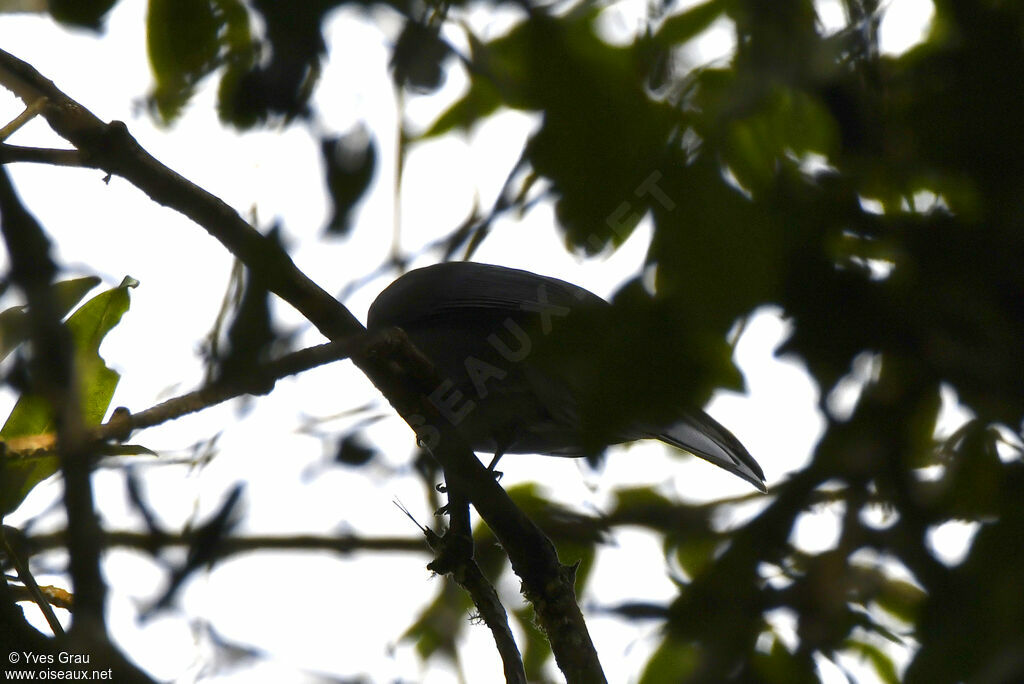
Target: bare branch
(41, 155)
(14, 550)
(260, 381)
(454, 557)
(232, 546)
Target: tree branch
(15, 552)
(260, 381)
(546, 582)
(40, 155)
(454, 557)
(232, 546)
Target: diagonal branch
(260, 381)
(393, 368)
(13, 547)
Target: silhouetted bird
(481, 326)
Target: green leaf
(632, 498)
(695, 555)
(880, 662)
(183, 41)
(790, 121)
(497, 78)
(673, 661)
(22, 470)
(437, 629)
(536, 649)
(481, 100)
(682, 27)
(902, 599)
(779, 665)
(87, 13)
(241, 53)
(29, 457)
(13, 321)
(88, 326)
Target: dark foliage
(875, 199)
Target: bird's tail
(701, 435)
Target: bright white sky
(114, 230)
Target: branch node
(29, 113)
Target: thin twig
(15, 552)
(31, 110)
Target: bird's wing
(701, 435)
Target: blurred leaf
(632, 498)
(787, 122)
(350, 161)
(88, 326)
(66, 294)
(970, 625)
(679, 28)
(416, 61)
(481, 100)
(239, 52)
(695, 555)
(901, 598)
(240, 57)
(205, 543)
(536, 651)
(972, 485)
(32, 415)
(22, 469)
(353, 450)
(85, 13)
(275, 76)
(672, 661)
(439, 625)
(779, 666)
(251, 335)
(183, 41)
(496, 78)
(880, 662)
